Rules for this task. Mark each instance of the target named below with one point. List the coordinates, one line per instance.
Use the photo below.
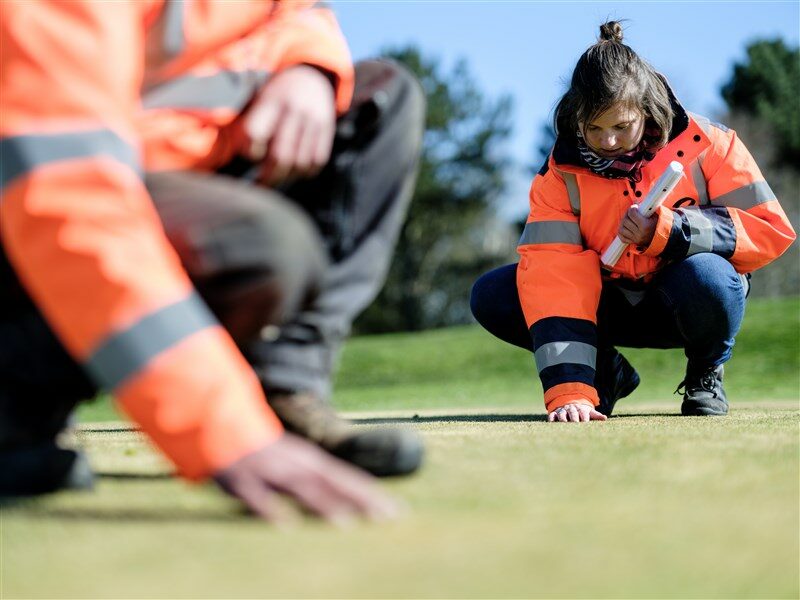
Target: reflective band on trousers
(21, 154)
(702, 232)
(551, 232)
(127, 352)
(746, 196)
(556, 353)
(226, 89)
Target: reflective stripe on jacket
(76, 220)
(721, 205)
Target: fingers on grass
(574, 414)
(358, 492)
(339, 503)
(330, 488)
(261, 500)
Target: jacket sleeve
(306, 32)
(744, 221)
(80, 230)
(559, 288)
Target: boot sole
(690, 409)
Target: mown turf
(646, 505)
(467, 367)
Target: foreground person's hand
(319, 483)
(290, 126)
(575, 413)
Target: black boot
(615, 378)
(42, 468)
(703, 394)
(39, 388)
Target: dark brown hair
(610, 72)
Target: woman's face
(616, 131)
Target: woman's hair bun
(611, 31)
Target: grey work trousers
(309, 257)
(285, 270)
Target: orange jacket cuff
(566, 393)
(661, 235)
(201, 404)
(340, 68)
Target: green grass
(646, 505)
(467, 367)
(649, 506)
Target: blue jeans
(696, 304)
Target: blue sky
(528, 48)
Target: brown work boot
(382, 452)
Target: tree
(452, 234)
(767, 86)
(762, 96)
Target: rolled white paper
(665, 184)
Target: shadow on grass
(483, 418)
(650, 414)
(117, 515)
(89, 428)
(127, 476)
(490, 418)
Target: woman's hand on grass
(575, 412)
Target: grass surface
(646, 505)
(467, 367)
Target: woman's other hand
(637, 229)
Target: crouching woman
(683, 280)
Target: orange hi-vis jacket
(721, 205)
(85, 87)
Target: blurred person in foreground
(197, 200)
(683, 280)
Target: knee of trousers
(707, 279)
(492, 298)
(268, 264)
(399, 100)
(708, 296)
(480, 300)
